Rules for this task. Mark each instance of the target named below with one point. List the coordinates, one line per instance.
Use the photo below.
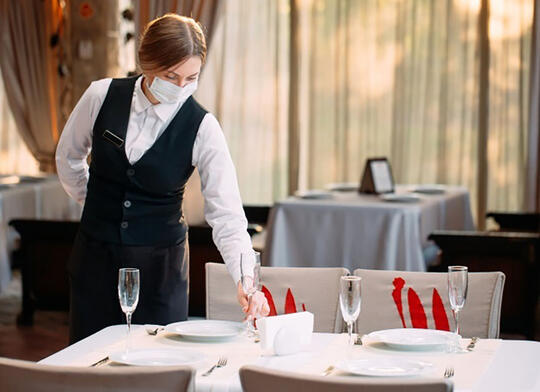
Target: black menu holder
(377, 177)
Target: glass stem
(128, 320)
(349, 330)
(456, 316)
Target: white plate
(401, 197)
(206, 330)
(384, 367)
(343, 187)
(157, 357)
(314, 194)
(413, 338)
(432, 189)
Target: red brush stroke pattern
(290, 305)
(396, 294)
(304, 307)
(439, 314)
(416, 310)
(270, 300)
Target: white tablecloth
(493, 366)
(362, 231)
(45, 199)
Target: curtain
(245, 84)
(29, 79)
(203, 11)
(401, 79)
(532, 196)
(14, 155)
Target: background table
(493, 366)
(353, 230)
(41, 199)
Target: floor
(48, 335)
(50, 331)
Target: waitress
(146, 134)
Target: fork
(222, 361)
(449, 372)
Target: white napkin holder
(285, 334)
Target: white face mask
(167, 92)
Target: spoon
(153, 329)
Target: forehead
(187, 67)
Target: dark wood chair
(516, 222)
(45, 248)
(201, 251)
(257, 217)
(517, 255)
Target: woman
(146, 134)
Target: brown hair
(169, 40)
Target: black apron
(93, 270)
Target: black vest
(139, 204)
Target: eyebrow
(195, 74)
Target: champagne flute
(128, 292)
(250, 270)
(457, 292)
(350, 298)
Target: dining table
(345, 228)
(493, 365)
(29, 197)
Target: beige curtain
(203, 11)
(28, 78)
(245, 84)
(14, 155)
(532, 196)
(400, 78)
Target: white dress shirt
(223, 205)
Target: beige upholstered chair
(419, 294)
(16, 375)
(313, 289)
(257, 379)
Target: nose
(182, 82)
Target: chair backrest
(517, 255)
(257, 379)
(287, 290)
(396, 299)
(16, 375)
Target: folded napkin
(285, 334)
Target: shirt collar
(163, 110)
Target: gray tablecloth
(361, 231)
(43, 199)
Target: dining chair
(398, 299)
(288, 290)
(517, 255)
(45, 248)
(258, 379)
(19, 376)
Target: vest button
(130, 172)
(127, 204)
(124, 225)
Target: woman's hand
(256, 306)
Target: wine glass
(250, 271)
(350, 298)
(128, 292)
(457, 291)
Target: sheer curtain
(245, 84)
(400, 79)
(395, 78)
(14, 155)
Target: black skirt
(93, 270)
